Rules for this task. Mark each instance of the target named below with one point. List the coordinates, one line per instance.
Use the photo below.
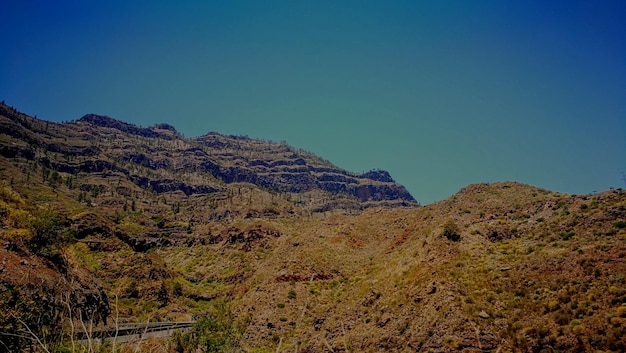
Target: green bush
(214, 332)
(51, 232)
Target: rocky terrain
(270, 248)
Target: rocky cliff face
(160, 159)
(284, 169)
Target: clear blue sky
(439, 93)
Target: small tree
(162, 296)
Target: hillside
(159, 159)
(273, 249)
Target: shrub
(177, 289)
(621, 311)
(567, 235)
(51, 232)
(214, 332)
(562, 317)
(451, 231)
(620, 224)
(578, 329)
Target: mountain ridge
(230, 159)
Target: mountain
(270, 248)
(161, 160)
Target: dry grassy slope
(533, 270)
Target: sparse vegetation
(500, 266)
